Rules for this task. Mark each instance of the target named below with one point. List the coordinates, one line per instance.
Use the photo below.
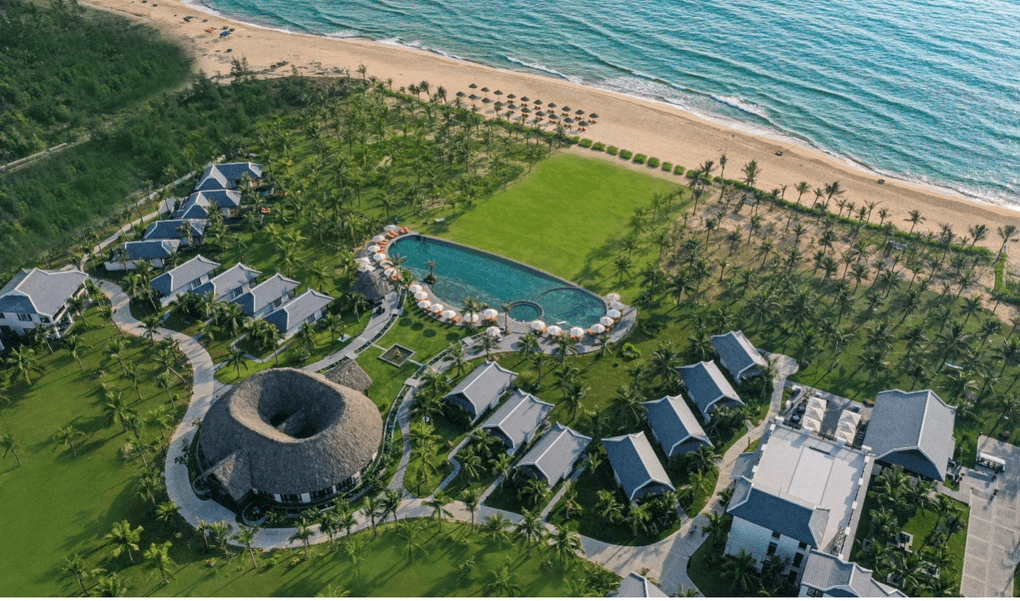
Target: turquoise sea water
(462, 272)
(927, 90)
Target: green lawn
(425, 336)
(387, 380)
(703, 569)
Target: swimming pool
(462, 271)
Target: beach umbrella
(449, 314)
(414, 289)
(473, 97)
(551, 105)
(593, 115)
(390, 228)
(598, 328)
(362, 268)
(512, 96)
(525, 99)
(498, 92)
(379, 238)
(554, 330)
(485, 89)
(473, 318)
(606, 320)
(583, 123)
(569, 120)
(486, 100)
(473, 86)
(421, 295)
(493, 332)
(613, 297)
(374, 249)
(512, 106)
(436, 308)
(576, 332)
(379, 257)
(460, 94)
(386, 263)
(424, 304)
(537, 325)
(617, 305)
(613, 314)
(490, 313)
(389, 271)
(537, 101)
(540, 113)
(526, 111)
(554, 116)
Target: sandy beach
(627, 122)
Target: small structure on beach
(674, 426)
(738, 355)
(517, 420)
(481, 389)
(708, 387)
(913, 430)
(553, 457)
(636, 469)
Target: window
(2, 316)
(798, 559)
(24, 317)
(44, 319)
(775, 534)
(813, 592)
(772, 548)
(802, 546)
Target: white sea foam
(544, 69)
(742, 105)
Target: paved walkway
(993, 544)
(377, 326)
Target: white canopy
(846, 428)
(363, 268)
(363, 261)
(617, 305)
(490, 313)
(373, 249)
(414, 289)
(538, 324)
(598, 328)
(420, 294)
(606, 321)
(493, 332)
(424, 304)
(390, 228)
(437, 308)
(577, 332)
(814, 414)
(379, 238)
(379, 257)
(613, 297)
(389, 271)
(472, 317)
(449, 314)
(554, 330)
(614, 314)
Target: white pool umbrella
(379, 238)
(379, 257)
(415, 289)
(554, 330)
(363, 268)
(389, 271)
(613, 314)
(598, 328)
(473, 318)
(373, 249)
(421, 295)
(576, 332)
(492, 332)
(424, 304)
(490, 313)
(449, 314)
(537, 325)
(390, 228)
(617, 306)
(613, 297)
(437, 308)
(606, 320)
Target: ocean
(924, 90)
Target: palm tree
(158, 556)
(718, 525)
(133, 376)
(741, 570)
(497, 527)
(391, 503)
(303, 532)
(245, 537)
(573, 396)
(9, 445)
(76, 568)
(236, 358)
(68, 435)
(117, 410)
(501, 584)
(472, 499)
(1006, 232)
(566, 543)
(124, 538)
(115, 351)
(801, 188)
(530, 527)
(914, 219)
(75, 346)
(610, 510)
(23, 362)
(438, 504)
(111, 586)
(372, 510)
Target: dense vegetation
(64, 68)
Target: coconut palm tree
(67, 435)
(75, 346)
(1006, 232)
(741, 570)
(718, 525)
(158, 556)
(500, 584)
(76, 568)
(471, 499)
(530, 527)
(23, 362)
(245, 538)
(498, 528)
(116, 410)
(303, 532)
(567, 544)
(124, 538)
(438, 504)
(236, 358)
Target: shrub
(574, 139)
(679, 170)
(586, 143)
(667, 167)
(653, 162)
(691, 173)
(626, 154)
(640, 159)
(613, 150)
(598, 146)
(629, 352)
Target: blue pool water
(462, 272)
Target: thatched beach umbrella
(498, 92)
(569, 120)
(593, 116)
(473, 86)
(486, 100)
(578, 112)
(551, 105)
(540, 113)
(350, 374)
(526, 110)
(473, 97)
(538, 101)
(525, 99)
(511, 96)
(485, 89)
(460, 94)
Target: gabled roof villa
(674, 426)
(227, 175)
(199, 204)
(148, 250)
(829, 576)
(38, 297)
(183, 278)
(481, 389)
(307, 308)
(708, 387)
(517, 420)
(171, 229)
(914, 430)
(635, 467)
(553, 457)
(635, 585)
(267, 296)
(231, 283)
(738, 355)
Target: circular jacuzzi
(526, 311)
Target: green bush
(598, 146)
(640, 159)
(679, 170)
(626, 154)
(629, 352)
(691, 173)
(653, 162)
(613, 150)
(585, 142)
(667, 167)
(574, 139)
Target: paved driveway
(992, 531)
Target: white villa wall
(166, 300)
(755, 540)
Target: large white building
(38, 297)
(795, 493)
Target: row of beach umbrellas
(566, 110)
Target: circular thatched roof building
(289, 436)
(371, 285)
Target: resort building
(130, 255)
(199, 204)
(674, 426)
(636, 469)
(187, 231)
(796, 493)
(287, 437)
(38, 297)
(517, 420)
(708, 388)
(553, 457)
(183, 278)
(635, 585)
(481, 389)
(913, 430)
(226, 176)
(267, 296)
(307, 308)
(230, 284)
(829, 576)
(738, 355)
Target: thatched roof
(299, 433)
(370, 285)
(350, 374)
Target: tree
(497, 527)
(236, 358)
(751, 173)
(438, 504)
(609, 509)
(566, 543)
(572, 397)
(303, 532)
(23, 362)
(472, 499)
(501, 584)
(741, 570)
(914, 219)
(124, 538)
(166, 511)
(76, 568)
(75, 346)
(158, 556)
(9, 445)
(67, 435)
(1006, 232)
(117, 410)
(718, 525)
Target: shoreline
(657, 128)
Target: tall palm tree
(566, 543)
(75, 346)
(530, 527)
(501, 584)
(245, 538)
(23, 362)
(76, 568)
(158, 556)
(124, 538)
(67, 435)
(303, 532)
(741, 570)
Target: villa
(517, 420)
(708, 388)
(481, 389)
(307, 308)
(829, 576)
(199, 204)
(554, 455)
(738, 355)
(230, 284)
(130, 254)
(174, 229)
(267, 296)
(226, 176)
(38, 297)
(183, 278)
(635, 585)
(674, 426)
(636, 469)
(913, 430)
(796, 493)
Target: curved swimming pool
(462, 271)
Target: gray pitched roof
(482, 387)
(635, 585)
(912, 429)
(183, 274)
(265, 293)
(231, 279)
(736, 353)
(40, 291)
(298, 310)
(221, 199)
(634, 461)
(518, 417)
(170, 229)
(838, 578)
(226, 175)
(554, 455)
(149, 249)
(673, 423)
(197, 206)
(706, 385)
(779, 514)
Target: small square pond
(397, 355)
